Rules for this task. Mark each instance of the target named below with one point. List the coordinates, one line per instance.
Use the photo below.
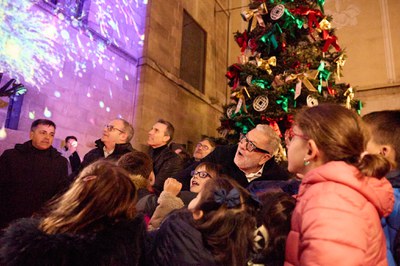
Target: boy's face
(373, 147)
(383, 149)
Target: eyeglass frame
(200, 173)
(204, 147)
(111, 128)
(253, 146)
(291, 134)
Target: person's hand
(172, 186)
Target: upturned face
(199, 178)
(249, 156)
(114, 133)
(157, 135)
(42, 137)
(203, 148)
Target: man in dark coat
(252, 159)
(71, 154)
(114, 143)
(166, 163)
(31, 173)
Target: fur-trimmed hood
(120, 244)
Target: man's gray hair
(273, 139)
(128, 129)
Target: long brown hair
(102, 194)
(228, 231)
(275, 215)
(341, 135)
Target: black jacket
(179, 243)
(224, 156)
(166, 163)
(120, 244)
(98, 153)
(28, 179)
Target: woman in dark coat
(93, 223)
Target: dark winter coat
(98, 153)
(120, 244)
(224, 156)
(28, 179)
(179, 243)
(391, 224)
(166, 163)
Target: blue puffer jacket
(391, 224)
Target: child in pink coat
(343, 193)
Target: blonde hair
(342, 136)
(102, 194)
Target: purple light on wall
(38, 39)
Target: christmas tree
(290, 58)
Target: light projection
(39, 38)
(3, 133)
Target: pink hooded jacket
(337, 218)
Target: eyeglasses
(204, 147)
(290, 134)
(200, 174)
(250, 146)
(112, 128)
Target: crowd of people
(337, 203)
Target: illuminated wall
(79, 66)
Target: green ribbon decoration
(290, 20)
(261, 83)
(269, 37)
(251, 122)
(293, 91)
(243, 127)
(359, 107)
(321, 4)
(323, 74)
(284, 102)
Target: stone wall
(162, 93)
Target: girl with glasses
(169, 200)
(216, 229)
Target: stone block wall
(162, 94)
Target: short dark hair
(210, 140)
(136, 163)
(70, 137)
(170, 129)
(385, 129)
(42, 122)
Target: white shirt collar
(250, 177)
(106, 153)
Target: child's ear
(197, 214)
(312, 151)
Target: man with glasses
(252, 159)
(114, 142)
(203, 148)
